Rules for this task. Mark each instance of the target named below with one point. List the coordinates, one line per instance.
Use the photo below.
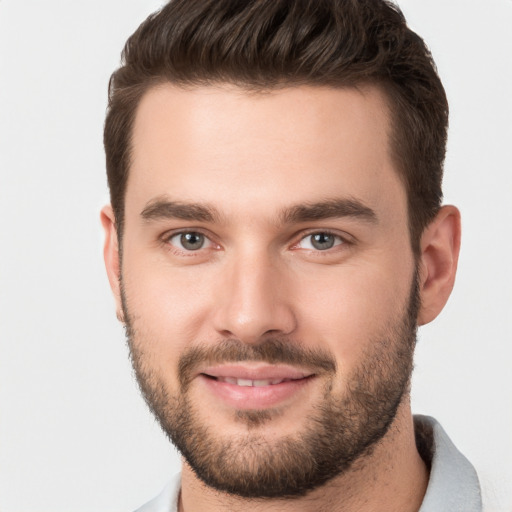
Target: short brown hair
(268, 44)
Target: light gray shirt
(452, 487)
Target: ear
(111, 256)
(439, 245)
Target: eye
(189, 241)
(320, 241)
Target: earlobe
(111, 256)
(439, 245)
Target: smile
(251, 383)
(254, 387)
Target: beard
(341, 429)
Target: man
(276, 236)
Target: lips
(252, 383)
(256, 387)
(255, 372)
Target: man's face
(268, 280)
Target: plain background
(74, 434)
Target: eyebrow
(162, 208)
(328, 209)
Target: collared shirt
(453, 484)
(452, 487)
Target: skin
(250, 156)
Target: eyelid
(168, 235)
(343, 237)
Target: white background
(74, 433)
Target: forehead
(261, 150)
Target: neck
(392, 478)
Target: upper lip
(256, 372)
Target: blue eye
(320, 241)
(189, 241)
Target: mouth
(254, 387)
(250, 383)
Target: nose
(253, 301)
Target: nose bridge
(252, 302)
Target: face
(268, 282)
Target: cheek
(167, 306)
(352, 309)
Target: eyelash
(342, 241)
(166, 241)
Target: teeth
(258, 383)
(251, 383)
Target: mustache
(272, 350)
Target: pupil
(192, 241)
(322, 241)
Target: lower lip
(254, 397)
